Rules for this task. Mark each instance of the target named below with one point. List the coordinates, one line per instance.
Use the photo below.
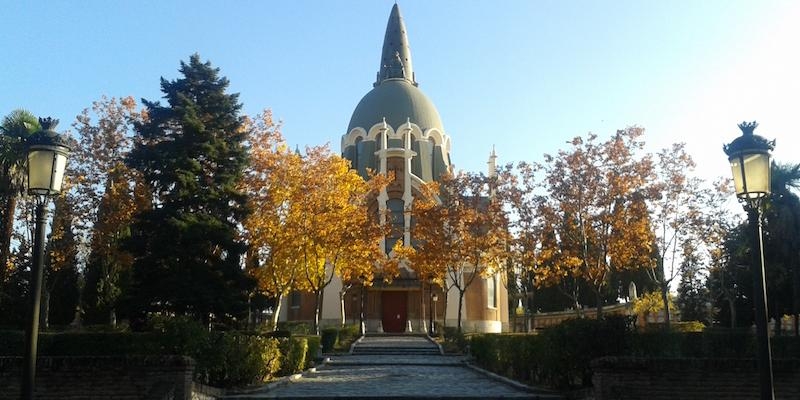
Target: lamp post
(749, 157)
(47, 159)
(435, 299)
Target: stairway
(401, 345)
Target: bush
(512, 355)
(347, 335)
(314, 353)
(223, 359)
(296, 328)
(454, 341)
(295, 355)
(559, 357)
(237, 360)
(330, 336)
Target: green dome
(396, 100)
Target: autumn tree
(460, 232)
(363, 255)
(14, 129)
(684, 225)
(16, 293)
(337, 234)
(595, 214)
(106, 193)
(61, 267)
(526, 233)
(271, 184)
(191, 153)
(693, 298)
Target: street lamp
(749, 157)
(47, 159)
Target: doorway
(394, 307)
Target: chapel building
(396, 128)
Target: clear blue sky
(524, 76)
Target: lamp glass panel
(40, 170)
(756, 170)
(58, 174)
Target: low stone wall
(129, 377)
(624, 378)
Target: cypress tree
(191, 153)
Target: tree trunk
(665, 299)
(796, 298)
(9, 206)
(732, 308)
(342, 314)
(361, 326)
(317, 310)
(530, 312)
(460, 305)
(45, 322)
(422, 304)
(276, 313)
(599, 298)
(444, 313)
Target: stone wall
(618, 378)
(131, 377)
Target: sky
(523, 76)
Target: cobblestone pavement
(395, 377)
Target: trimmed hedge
(560, 356)
(338, 338)
(223, 359)
(295, 355)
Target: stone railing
(618, 378)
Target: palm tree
(14, 130)
(783, 223)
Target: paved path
(395, 376)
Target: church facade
(396, 128)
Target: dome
(397, 100)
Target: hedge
(223, 359)
(560, 357)
(341, 338)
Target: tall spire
(396, 56)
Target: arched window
(429, 155)
(491, 291)
(397, 219)
(357, 153)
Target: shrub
(314, 353)
(295, 354)
(454, 341)
(330, 336)
(295, 327)
(347, 335)
(238, 360)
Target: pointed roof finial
(396, 55)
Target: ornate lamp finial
(48, 124)
(748, 127)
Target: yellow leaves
(309, 215)
(651, 303)
(457, 225)
(595, 216)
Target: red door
(395, 311)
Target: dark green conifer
(191, 154)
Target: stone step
(396, 352)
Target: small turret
(492, 170)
